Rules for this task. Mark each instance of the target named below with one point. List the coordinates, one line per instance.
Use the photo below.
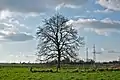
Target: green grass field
(9, 73)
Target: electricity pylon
(94, 54)
(86, 54)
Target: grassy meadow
(24, 73)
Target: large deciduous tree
(57, 39)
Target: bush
(102, 69)
(116, 69)
(75, 70)
(41, 70)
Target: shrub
(76, 70)
(102, 69)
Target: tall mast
(94, 53)
(86, 54)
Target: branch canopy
(57, 39)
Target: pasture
(23, 73)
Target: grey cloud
(19, 37)
(73, 2)
(4, 25)
(99, 26)
(2, 34)
(103, 11)
(22, 5)
(113, 51)
(12, 30)
(35, 5)
(110, 4)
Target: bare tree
(57, 39)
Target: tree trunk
(58, 64)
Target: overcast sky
(97, 20)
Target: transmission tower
(86, 54)
(94, 53)
(119, 60)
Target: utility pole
(86, 54)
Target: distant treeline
(64, 62)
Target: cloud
(11, 11)
(21, 57)
(110, 4)
(4, 25)
(102, 49)
(19, 37)
(35, 5)
(22, 5)
(101, 27)
(58, 7)
(7, 14)
(12, 30)
(29, 56)
(15, 37)
(23, 54)
(4, 14)
(14, 19)
(113, 51)
(103, 11)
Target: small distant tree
(57, 39)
